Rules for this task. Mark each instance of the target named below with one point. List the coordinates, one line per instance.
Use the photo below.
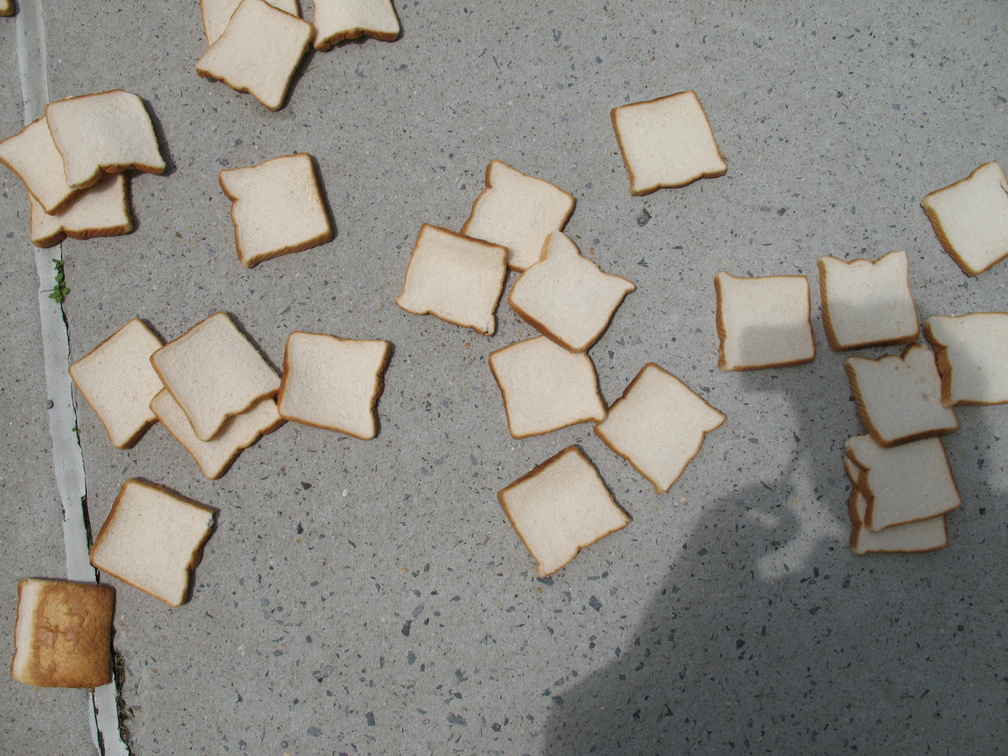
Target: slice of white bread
(333, 383)
(866, 303)
(258, 52)
(899, 398)
(518, 212)
(763, 322)
(100, 210)
(107, 132)
(923, 535)
(667, 142)
(217, 13)
(566, 296)
(277, 208)
(63, 634)
(215, 457)
(338, 20)
(904, 483)
(117, 380)
(32, 155)
(972, 355)
(214, 372)
(153, 539)
(970, 218)
(545, 387)
(559, 508)
(658, 426)
(455, 278)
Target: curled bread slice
(924, 535)
(763, 322)
(214, 372)
(258, 53)
(972, 355)
(667, 142)
(63, 634)
(455, 278)
(866, 303)
(518, 212)
(545, 387)
(117, 380)
(905, 483)
(100, 210)
(217, 13)
(658, 426)
(559, 508)
(333, 383)
(970, 218)
(107, 132)
(32, 155)
(566, 296)
(339, 20)
(900, 397)
(214, 457)
(277, 208)
(153, 539)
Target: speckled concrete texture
(370, 596)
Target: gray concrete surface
(370, 597)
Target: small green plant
(60, 290)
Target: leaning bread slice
(339, 20)
(153, 539)
(545, 387)
(258, 52)
(866, 303)
(107, 132)
(763, 322)
(559, 508)
(658, 426)
(455, 278)
(904, 483)
(216, 456)
(566, 296)
(117, 380)
(518, 212)
(923, 535)
(63, 634)
(32, 155)
(333, 383)
(214, 372)
(99, 210)
(899, 398)
(217, 14)
(972, 355)
(667, 142)
(970, 218)
(277, 208)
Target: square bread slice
(153, 539)
(566, 296)
(924, 535)
(904, 483)
(333, 383)
(972, 355)
(215, 457)
(63, 634)
(763, 322)
(559, 508)
(667, 142)
(899, 398)
(339, 20)
(518, 212)
(100, 210)
(258, 53)
(455, 278)
(117, 380)
(217, 14)
(867, 303)
(277, 208)
(32, 155)
(658, 426)
(214, 372)
(970, 218)
(103, 133)
(545, 387)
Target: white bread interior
(100, 210)
(32, 155)
(923, 535)
(217, 14)
(972, 355)
(339, 20)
